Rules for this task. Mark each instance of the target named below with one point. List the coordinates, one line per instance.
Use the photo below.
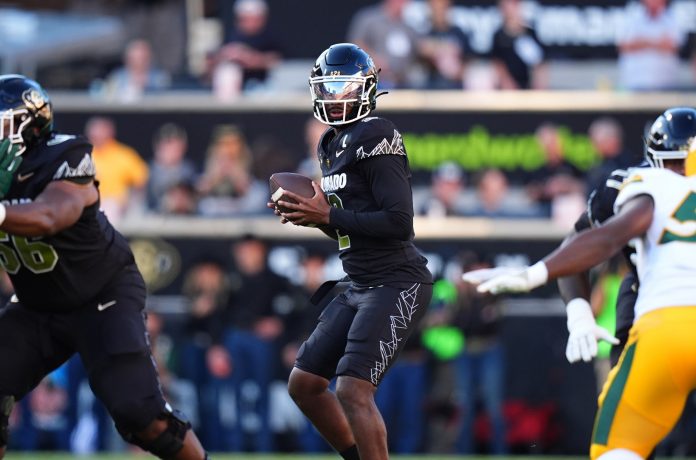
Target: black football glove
(9, 163)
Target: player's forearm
(377, 224)
(583, 251)
(36, 219)
(590, 247)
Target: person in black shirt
(445, 48)
(245, 336)
(366, 201)
(77, 287)
(251, 43)
(518, 56)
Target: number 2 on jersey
(36, 256)
(685, 214)
(343, 240)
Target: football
(293, 182)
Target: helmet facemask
(670, 136)
(342, 99)
(657, 158)
(13, 122)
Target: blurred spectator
(445, 48)
(169, 166)
(648, 44)
(180, 199)
(206, 287)
(292, 430)
(271, 154)
(246, 334)
(557, 177)
(161, 22)
(137, 76)
(446, 191)
(493, 197)
(309, 166)
(44, 424)
(306, 314)
(518, 56)
(181, 392)
(480, 368)
(250, 45)
(121, 172)
(227, 186)
(606, 136)
(382, 33)
(161, 348)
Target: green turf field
(42, 456)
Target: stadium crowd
(226, 360)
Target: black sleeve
(600, 207)
(388, 177)
(464, 43)
(583, 222)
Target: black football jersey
(61, 272)
(367, 179)
(600, 205)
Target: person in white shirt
(648, 45)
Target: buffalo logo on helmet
(34, 99)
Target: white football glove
(584, 332)
(484, 274)
(519, 280)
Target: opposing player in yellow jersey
(646, 392)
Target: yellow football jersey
(666, 254)
(691, 163)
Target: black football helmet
(670, 136)
(26, 114)
(343, 83)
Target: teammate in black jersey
(77, 287)
(668, 139)
(367, 181)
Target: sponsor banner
(568, 29)
(586, 29)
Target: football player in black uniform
(77, 287)
(669, 138)
(367, 182)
